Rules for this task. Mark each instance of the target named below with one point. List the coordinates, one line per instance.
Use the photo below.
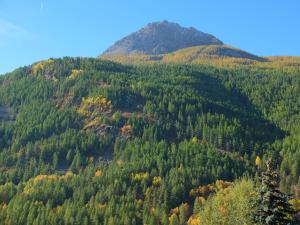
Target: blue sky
(32, 30)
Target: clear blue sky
(32, 30)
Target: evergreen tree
(272, 205)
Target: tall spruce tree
(272, 205)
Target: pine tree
(272, 205)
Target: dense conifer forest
(91, 141)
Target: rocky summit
(160, 38)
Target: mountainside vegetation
(205, 54)
(91, 141)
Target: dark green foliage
(272, 205)
(171, 129)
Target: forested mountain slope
(98, 142)
(197, 54)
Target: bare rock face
(160, 38)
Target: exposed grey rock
(161, 37)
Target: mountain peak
(161, 37)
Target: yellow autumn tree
(94, 106)
(156, 181)
(258, 161)
(74, 74)
(295, 204)
(143, 176)
(126, 130)
(37, 67)
(194, 140)
(99, 173)
(229, 206)
(173, 219)
(194, 220)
